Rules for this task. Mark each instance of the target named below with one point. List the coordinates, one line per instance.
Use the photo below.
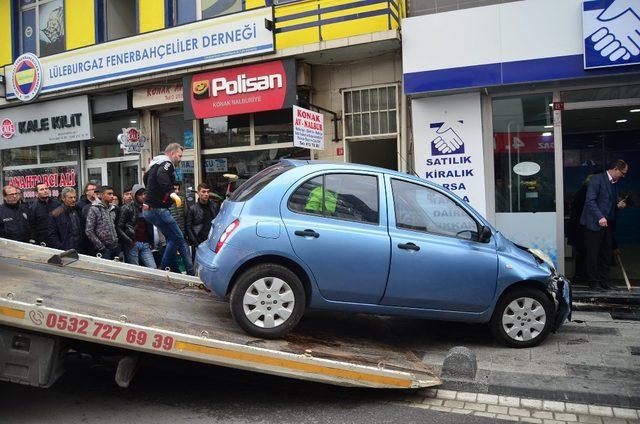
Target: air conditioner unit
(303, 76)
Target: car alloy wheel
(268, 302)
(524, 319)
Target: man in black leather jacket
(200, 215)
(40, 209)
(134, 232)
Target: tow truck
(53, 303)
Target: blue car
(345, 237)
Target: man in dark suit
(598, 217)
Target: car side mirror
(485, 234)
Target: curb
(519, 409)
(561, 391)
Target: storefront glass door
(116, 173)
(595, 133)
(524, 161)
(97, 174)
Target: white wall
(508, 32)
(328, 80)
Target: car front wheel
(268, 300)
(523, 318)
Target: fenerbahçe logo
(27, 77)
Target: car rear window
(253, 185)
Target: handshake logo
(447, 139)
(611, 30)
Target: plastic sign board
(611, 33)
(448, 145)
(308, 129)
(244, 89)
(132, 141)
(56, 121)
(157, 95)
(207, 41)
(26, 79)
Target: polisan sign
(245, 89)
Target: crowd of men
(149, 226)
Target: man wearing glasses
(598, 217)
(14, 216)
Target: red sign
(340, 151)
(133, 134)
(56, 178)
(558, 105)
(245, 89)
(7, 129)
(528, 142)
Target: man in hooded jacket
(100, 227)
(159, 180)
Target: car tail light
(226, 234)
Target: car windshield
(253, 185)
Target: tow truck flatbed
(163, 313)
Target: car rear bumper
(216, 271)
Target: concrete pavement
(592, 360)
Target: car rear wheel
(267, 300)
(523, 318)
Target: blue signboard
(611, 33)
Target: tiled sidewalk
(521, 409)
(593, 360)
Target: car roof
(319, 165)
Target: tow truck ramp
(138, 309)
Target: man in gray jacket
(100, 228)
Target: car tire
(267, 300)
(523, 317)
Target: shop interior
(592, 138)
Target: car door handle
(409, 246)
(307, 233)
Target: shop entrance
(593, 135)
(382, 153)
(116, 172)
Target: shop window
(226, 131)
(120, 19)
(184, 11)
(174, 129)
(105, 138)
(275, 126)
(245, 164)
(213, 8)
(42, 27)
(20, 156)
(524, 153)
(59, 152)
(602, 93)
(58, 177)
(371, 111)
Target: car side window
(350, 197)
(420, 208)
